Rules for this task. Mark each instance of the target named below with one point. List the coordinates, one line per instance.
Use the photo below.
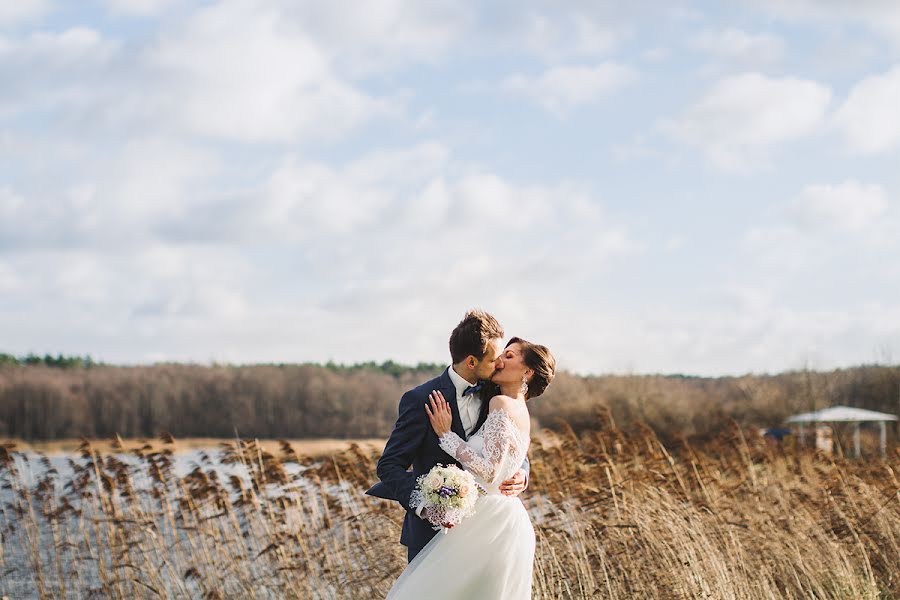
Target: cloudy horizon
(659, 188)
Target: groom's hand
(514, 486)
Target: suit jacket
(413, 442)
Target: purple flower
(446, 491)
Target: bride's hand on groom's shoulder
(439, 413)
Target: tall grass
(617, 515)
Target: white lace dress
(491, 553)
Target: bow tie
(472, 389)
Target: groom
(474, 347)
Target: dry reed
(617, 515)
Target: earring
(524, 388)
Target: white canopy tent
(846, 414)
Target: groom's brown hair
(473, 334)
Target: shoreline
(308, 447)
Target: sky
(708, 188)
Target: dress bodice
(493, 453)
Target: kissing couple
(474, 415)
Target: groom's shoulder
(423, 389)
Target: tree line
(43, 400)
(59, 361)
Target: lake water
(19, 538)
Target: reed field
(618, 514)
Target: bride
(491, 553)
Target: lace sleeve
(501, 439)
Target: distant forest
(44, 398)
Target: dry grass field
(617, 515)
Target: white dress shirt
(469, 406)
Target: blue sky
(706, 188)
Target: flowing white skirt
(489, 555)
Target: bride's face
(510, 365)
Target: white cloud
(816, 260)
(411, 232)
(168, 187)
(850, 206)
(869, 117)
(72, 48)
(558, 36)
(124, 302)
(10, 203)
(421, 198)
(367, 37)
(577, 31)
(467, 239)
(199, 283)
(727, 328)
(59, 74)
(17, 11)
(674, 243)
(315, 200)
(311, 201)
(561, 89)
(741, 117)
(144, 8)
(233, 70)
(881, 16)
(414, 164)
(240, 71)
(68, 46)
(119, 201)
(738, 46)
(639, 148)
(769, 337)
(152, 182)
(9, 279)
(656, 55)
(826, 225)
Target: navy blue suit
(413, 442)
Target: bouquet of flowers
(445, 496)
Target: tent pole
(802, 436)
(856, 440)
(883, 431)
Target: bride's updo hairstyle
(539, 359)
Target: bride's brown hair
(539, 359)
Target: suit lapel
(449, 391)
